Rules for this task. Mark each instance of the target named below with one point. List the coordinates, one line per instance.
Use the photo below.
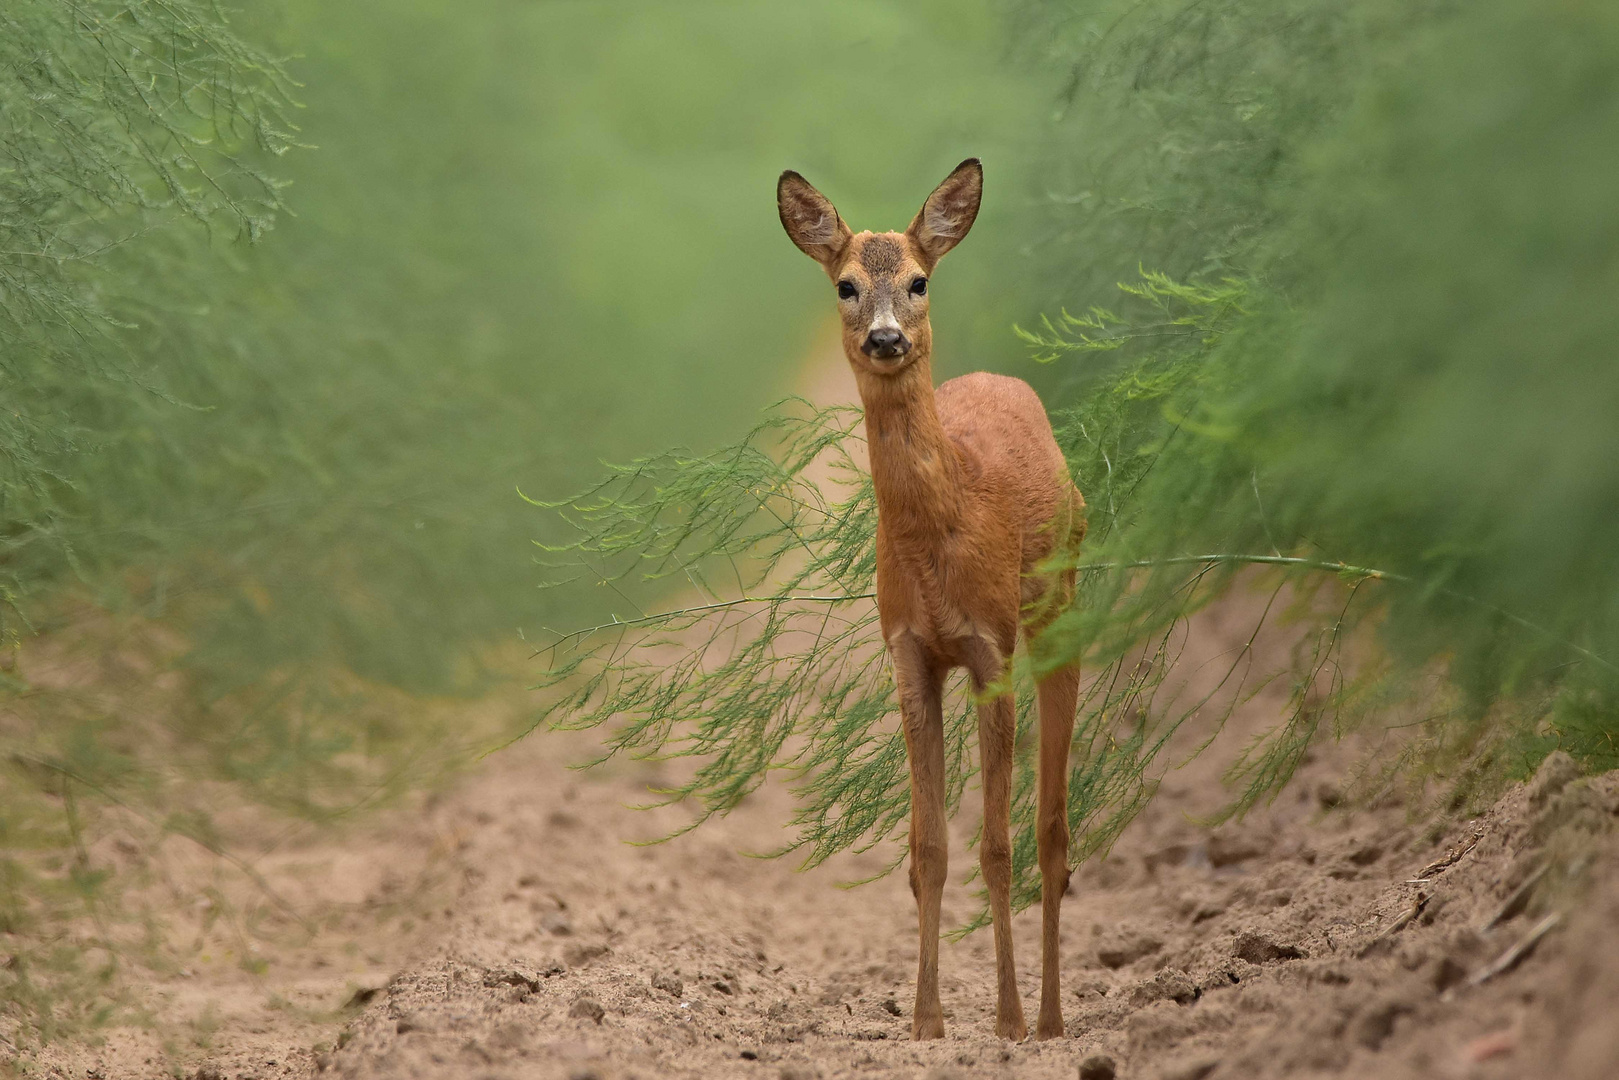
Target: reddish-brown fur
(972, 496)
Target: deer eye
(919, 287)
(846, 290)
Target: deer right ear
(949, 212)
(811, 221)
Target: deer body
(972, 496)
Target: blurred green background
(293, 304)
(522, 238)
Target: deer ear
(949, 212)
(811, 221)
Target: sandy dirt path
(559, 950)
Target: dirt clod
(1229, 849)
(1098, 1067)
(1376, 1024)
(1126, 946)
(1086, 989)
(587, 1008)
(1195, 1068)
(667, 982)
(1167, 985)
(526, 979)
(580, 954)
(363, 994)
(1366, 854)
(1555, 773)
(1444, 973)
(1257, 948)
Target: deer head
(882, 278)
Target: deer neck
(915, 467)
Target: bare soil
(506, 928)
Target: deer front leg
(1058, 695)
(921, 685)
(997, 730)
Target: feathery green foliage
(120, 120)
(1412, 383)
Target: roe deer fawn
(972, 495)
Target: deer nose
(886, 343)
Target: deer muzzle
(885, 343)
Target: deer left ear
(949, 212)
(811, 221)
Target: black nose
(886, 343)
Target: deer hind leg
(921, 683)
(997, 728)
(1058, 697)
